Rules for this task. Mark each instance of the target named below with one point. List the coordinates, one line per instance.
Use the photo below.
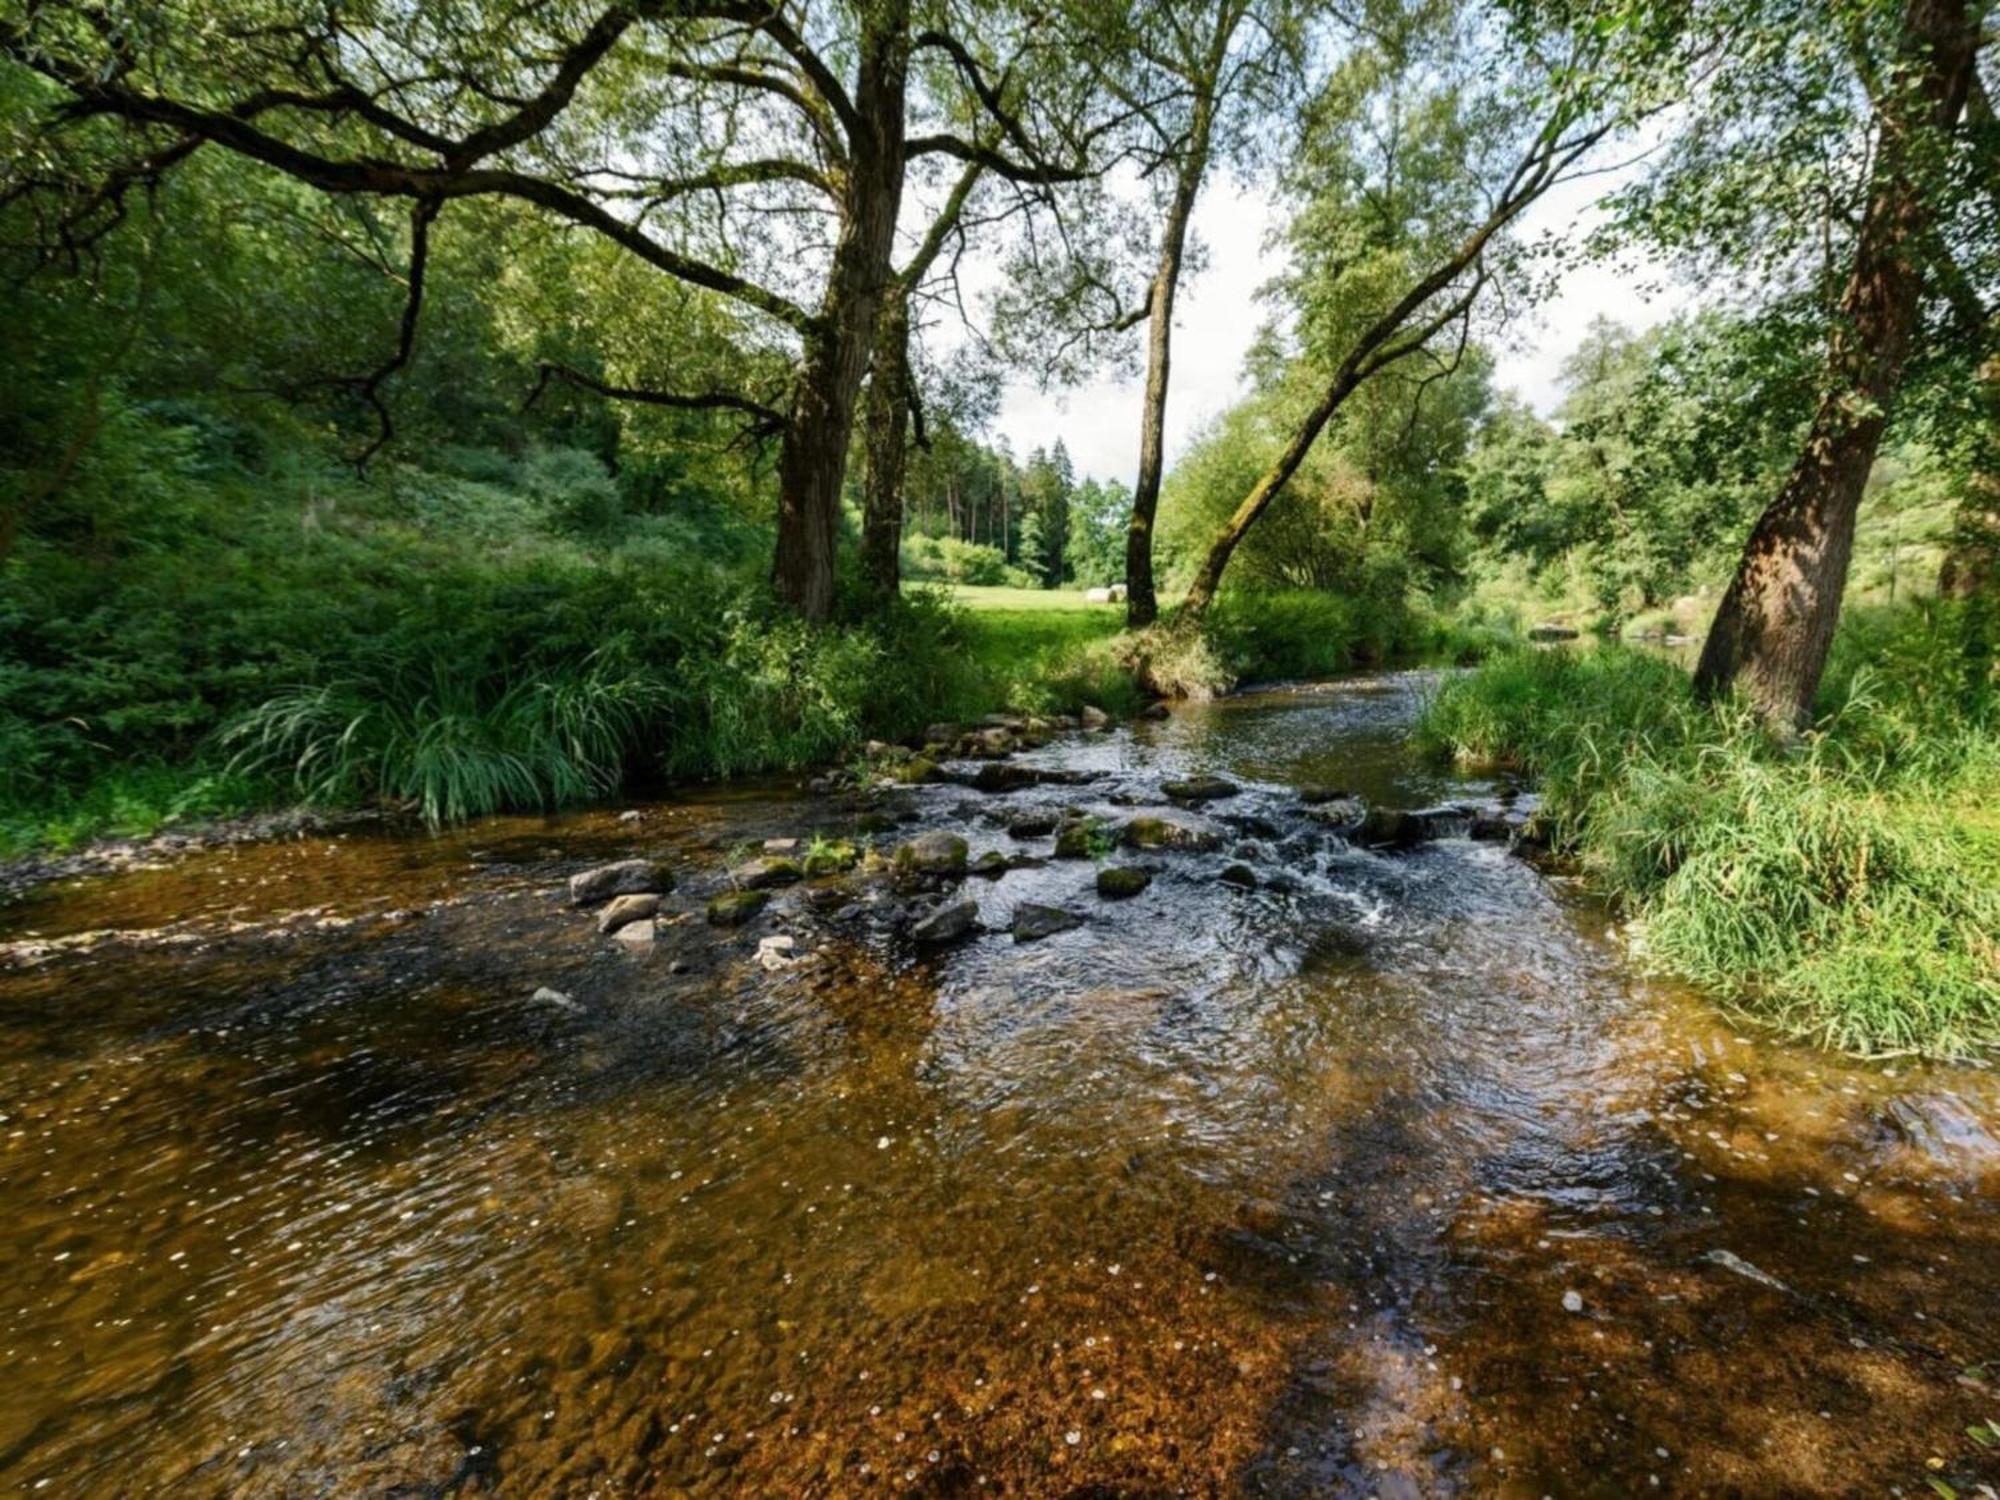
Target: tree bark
(886, 429)
(812, 461)
(1971, 569)
(1142, 605)
(1776, 622)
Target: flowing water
(1388, 1177)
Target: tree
(1186, 72)
(1411, 197)
(1776, 621)
(662, 126)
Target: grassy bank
(1845, 886)
(497, 634)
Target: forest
(502, 406)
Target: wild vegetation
(466, 408)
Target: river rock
(638, 934)
(1081, 838)
(993, 742)
(1032, 921)
(555, 998)
(991, 865)
(915, 771)
(625, 909)
(1164, 833)
(946, 924)
(767, 874)
(777, 951)
(941, 734)
(831, 857)
(1312, 794)
(1240, 876)
(1199, 789)
(781, 846)
(627, 877)
(1487, 829)
(1116, 882)
(1001, 776)
(734, 908)
(1032, 825)
(933, 853)
(1093, 717)
(1157, 710)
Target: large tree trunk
(1776, 622)
(1971, 570)
(813, 458)
(1142, 605)
(885, 433)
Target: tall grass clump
(1843, 884)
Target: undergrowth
(1844, 884)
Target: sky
(1218, 314)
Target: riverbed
(365, 1165)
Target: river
(1386, 1176)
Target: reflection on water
(1395, 1181)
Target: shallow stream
(1388, 1176)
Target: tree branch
(765, 420)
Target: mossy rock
(734, 908)
(936, 853)
(832, 858)
(1120, 881)
(1164, 833)
(762, 874)
(1085, 838)
(1200, 789)
(915, 770)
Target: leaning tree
(757, 151)
(1434, 137)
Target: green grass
(1844, 885)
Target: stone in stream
(627, 877)
(1313, 794)
(1002, 776)
(625, 909)
(933, 853)
(1164, 833)
(914, 771)
(555, 998)
(1032, 825)
(1084, 837)
(1116, 882)
(1200, 789)
(991, 865)
(831, 857)
(1032, 921)
(1094, 717)
(1240, 876)
(781, 846)
(1158, 710)
(777, 951)
(767, 873)
(1487, 829)
(734, 908)
(638, 934)
(946, 924)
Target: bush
(1845, 885)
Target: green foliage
(1845, 886)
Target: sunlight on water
(1387, 1176)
